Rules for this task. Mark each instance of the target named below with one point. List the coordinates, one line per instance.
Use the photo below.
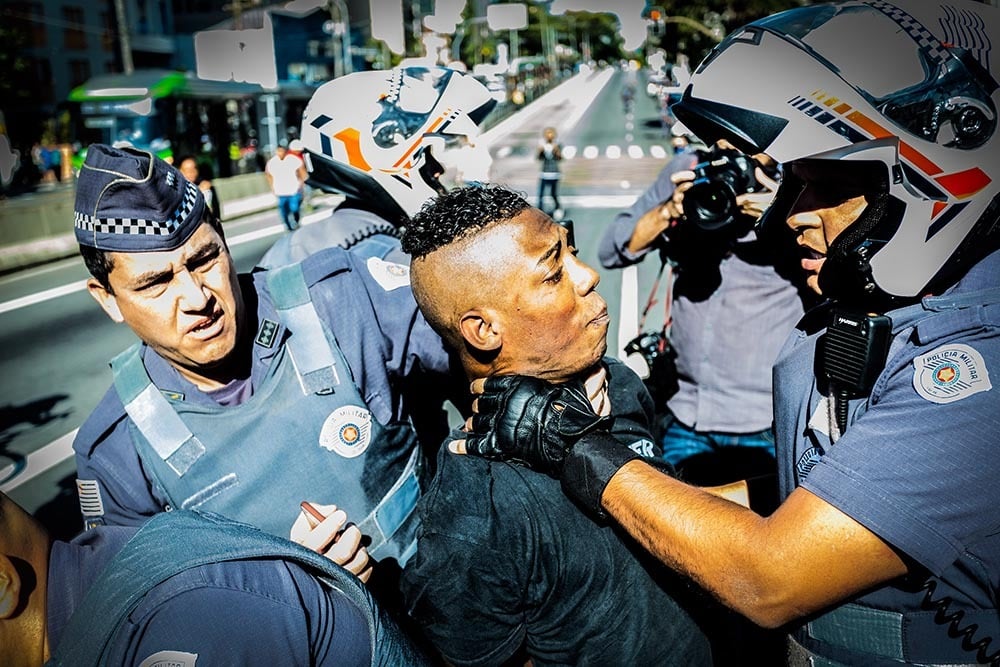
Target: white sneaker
(558, 214)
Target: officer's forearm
(706, 535)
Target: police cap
(129, 200)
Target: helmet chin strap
(846, 276)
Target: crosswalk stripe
(590, 152)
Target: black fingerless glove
(530, 421)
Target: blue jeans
(717, 458)
(288, 208)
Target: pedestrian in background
(550, 154)
(286, 174)
(189, 168)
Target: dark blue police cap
(129, 200)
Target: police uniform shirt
(382, 335)
(504, 557)
(919, 463)
(253, 612)
(345, 227)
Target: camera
(711, 202)
(654, 348)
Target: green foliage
(684, 27)
(16, 77)
(600, 32)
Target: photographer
(734, 303)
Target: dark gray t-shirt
(506, 558)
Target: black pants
(552, 185)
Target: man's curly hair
(457, 214)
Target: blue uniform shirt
(918, 463)
(392, 353)
(253, 612)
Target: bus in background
(171, 113)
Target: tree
(690, 38)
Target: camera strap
(666, 268)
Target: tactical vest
(855, 633)
(155, 554)
(305, 434)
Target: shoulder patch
(389, 275)
(89, 493)
(950, 373)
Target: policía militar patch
(950, 373)
(347, 431)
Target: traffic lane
(607, 122)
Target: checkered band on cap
(131, 201)
(140, 226)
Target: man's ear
(481, 329)
(10, 588)
(105, 299)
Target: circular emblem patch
(950, 373)
(389, 275)
(347, 431)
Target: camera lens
(710, 205)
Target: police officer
(885, 549)
(183, 589)
(383, 152)
(246, 394)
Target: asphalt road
(55, 342)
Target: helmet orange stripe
(350, 137)
(433, 126)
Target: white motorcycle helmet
(374, 135)
(897, 101)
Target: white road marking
(39, 461)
